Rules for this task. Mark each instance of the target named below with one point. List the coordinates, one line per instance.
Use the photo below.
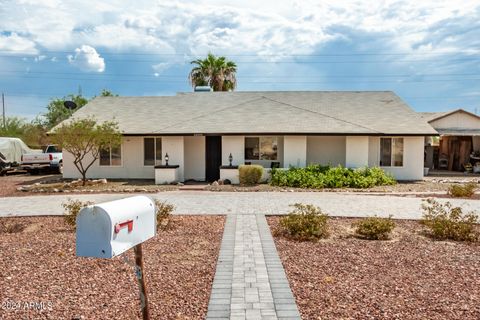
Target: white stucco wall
(326, 150)
(457, 120)
(132, 161)
(294, 151)
(174, 146)
(132, 164)
(356, 151)
(234, 145)
(194, 158)
(412, 168)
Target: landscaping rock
(215, 183)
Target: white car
(50, 159)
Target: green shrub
(72, 208)
(374, 228)
(317, 177)
(305, 222)
(462, 190)
(164, 212)
(250, 174)
(447, 222)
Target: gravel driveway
(270, 203)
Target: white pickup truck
(50, 159)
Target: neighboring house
(200, 130)
(459, 136)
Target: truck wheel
(60, 168)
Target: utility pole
(3, 113)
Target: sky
(427, 51)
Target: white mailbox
(106, 230)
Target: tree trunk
(84, 179)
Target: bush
(72, 208)
(250, 174)
(305, 222)
(317, 177)
(164, 213)
(14, 227)
(447, 222)
(462, 190)
(374, 228)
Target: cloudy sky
(427, 51)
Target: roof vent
(203, 89)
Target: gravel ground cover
(407, 277)
(53, 184)
(38, 265)
(430, 185)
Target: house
(199, 131)
(459, 136)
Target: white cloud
(264, 28)
(87, 58)
(13, 43)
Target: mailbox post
(108, 229)
(141, 281)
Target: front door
(213, 157)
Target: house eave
(282, 134)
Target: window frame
(391, 152)
(110, 161)
(259, 148)
(154, 151)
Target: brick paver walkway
(250, 282)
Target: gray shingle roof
(282, 112)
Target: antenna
(3, 107)
(70, 105)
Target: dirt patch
(39, 266)
(10, 183)
(407, 277)
(54, 184)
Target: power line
(189, 54)
(22, 72)
(52, 95)
(301, 61)
(250, 81)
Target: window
(53, 149)
(111, 156)
(261, 148)
(391, 152)
(152, 151)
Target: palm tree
(216, 72)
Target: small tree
(84, 139)
(56, 111)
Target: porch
(199, 157)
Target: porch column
(175, 149)
(236, 146)
(356, 153)
(294, 151)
